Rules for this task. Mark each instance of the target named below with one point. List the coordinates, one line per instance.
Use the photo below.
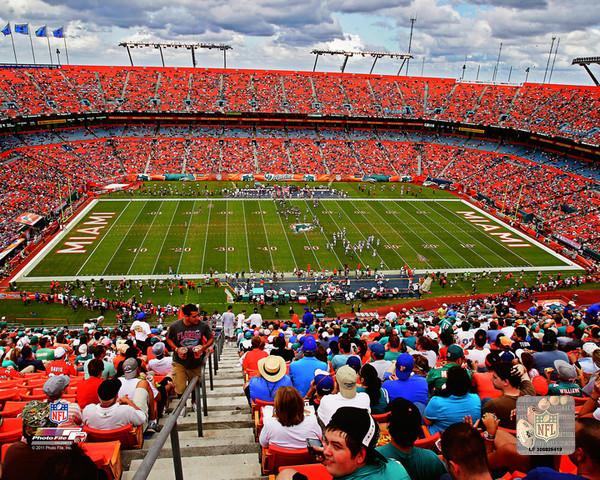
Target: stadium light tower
(412, 26)
(177, 45)
(347, 54)
(584, 62)
(549, 56)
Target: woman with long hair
(371, 385)
(290, 425)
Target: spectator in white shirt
(346, 378)
(290, 425)
(112, 412)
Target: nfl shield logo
(59, 412)
(546, 426)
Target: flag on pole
(6, 30)
(41, 32)
(59, 33)
(22, 28)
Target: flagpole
(12, 39)
(31, 41)
(49, 50)
(66, 49)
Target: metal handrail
(197, 384)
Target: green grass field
(140, 236)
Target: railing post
(210, 371)
(176, 453)
(204, 400)
(216, 365)
(198, 411)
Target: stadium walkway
(227, 450)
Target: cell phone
(315, 448)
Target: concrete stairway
(226, 451)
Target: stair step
(224, 391)
(221, 467)
(230, 415)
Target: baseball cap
(589, 348)
(378, 349)
(55, 385)
(505, 341)
(59, 352)
(309, 344)
(109, 389)
(356, 423)
(549, 337)
(404, 366)
(507, 357)
(354, 362)
(158, 348)
(565, 370)
(324, 384)
(346, 378)
(455, 352)
(83, 349)
(130, 368)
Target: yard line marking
(123, 239)
(404, 226)
(187, 231)
(341, 264)
(444, 259)
(226, 224)
(165, 238)
(287, 238)
(330, 215)
(477, 239)
(362, 235)
(137, 252)
(246, 235)
(102, 239)
(394, 230)
(206, 237)
(266, 235)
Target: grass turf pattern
(193, 236)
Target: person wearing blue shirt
(341, 358)
(443, 411)
(273, 375)
(308, 318)
(408, 386)
(302, 371)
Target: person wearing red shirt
(59, 366)
(87, 390)
(250, 362)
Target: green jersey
(420, 463)
(436, 378)
(382, 470)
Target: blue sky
(280, 34)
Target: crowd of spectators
(453, 374)
(564, 111)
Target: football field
(152, 238)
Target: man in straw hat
(273, 374)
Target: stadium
(445, 227)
